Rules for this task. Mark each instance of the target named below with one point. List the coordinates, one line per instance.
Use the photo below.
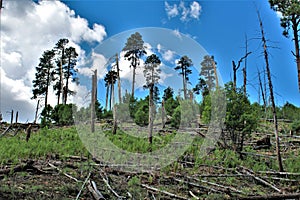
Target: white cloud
(172, 11)
(28, 29)
(186, 12)
(97, 61)
(167, 55)
(177, 33)
(195, 10)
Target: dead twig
(163, 192)
(67, 175)
(87, 178)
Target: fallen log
(272, 197)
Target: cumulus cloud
(97, 62)
(167, 55)
(195, 10)
(171, 10)
(27, 29)
(186, 12)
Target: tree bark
(163, 114)
(150, 126)
(280, 166)
(133, 77)
(106, 98)
(296, 41)
(114, 131)
(119, 80)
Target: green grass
(61, 142)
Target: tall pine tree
(44, 76)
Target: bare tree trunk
(262, 90)
(280, 166)
(296, 41)
(234, 69)
(114, 131)
(106, 98)
(93, 101)
(245, 68)
(60, 76)
(163, 114)
(66, 88)
(150, 126)
(119, 80)
(216, 75)
(184, 84)
(133, 77)
(36, 111)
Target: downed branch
(163, 192)
(95, 192)
(67, 175)
(87, 178)
(18, 168)
(105, 179)
(270, 197)
(252, 174)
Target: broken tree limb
(252, 174)
(163, 192)
(6, 130)
(272, 196)
(193, 195)
(198, 186)
(67, 175)
(95, 192)
(87, 178)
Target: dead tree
(266, 57)
(119, 80)
(245, 67)
(93, 100)
(236, 67)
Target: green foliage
(168, 93)
(62, 114)
(239, 117)
(185, 115)
(141, 116)
(170, 105)
(44, 75)
(46, 118)
(207, 72)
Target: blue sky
(30, 27)
(220, 29)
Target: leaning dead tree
(266, 57)
(93, 100)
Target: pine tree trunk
(234, 69)
(184, 84)
(150, 126)
(163, 114)
(114, 131)
(133, 78)
(296, 41)
(280, 166)
(67, 82)
(106, 97)
(119, 80)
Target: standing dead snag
(28, 132)
(236, 67)
(266, 56)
